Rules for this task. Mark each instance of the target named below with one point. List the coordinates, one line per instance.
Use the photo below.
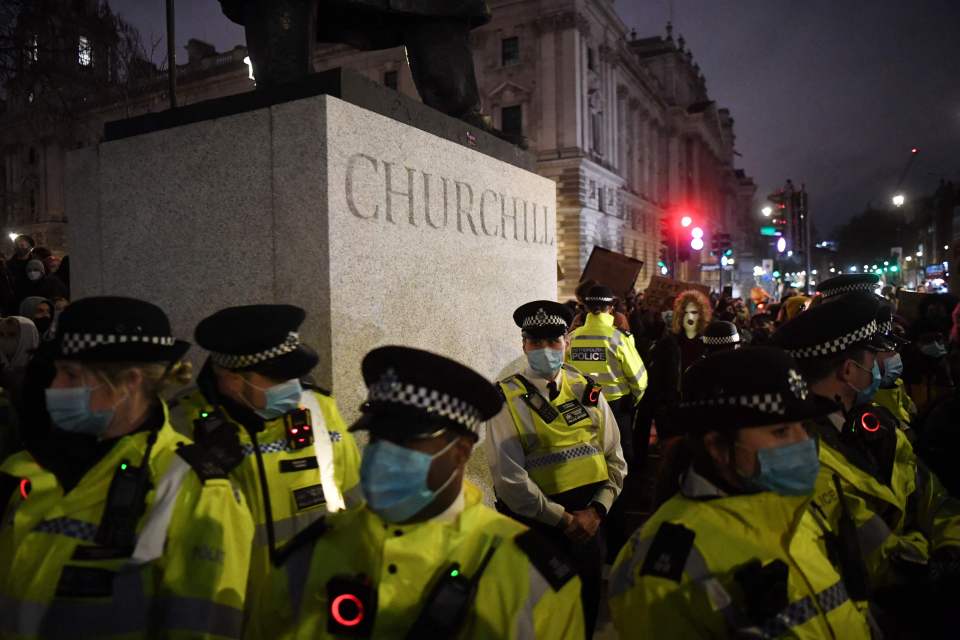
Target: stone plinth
(385, 233)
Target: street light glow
(908, 259)
(767, 211)
(12, 236)
(696, 244)
(686, 221)
(899, 200)
(781, 245)
(832, 270)
(696, 232)
(853, 269)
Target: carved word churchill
(389, 192)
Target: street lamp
(899, 200)
(686, 221)
(781, 245)
(12, 236)
(767, 211)
(696, 244)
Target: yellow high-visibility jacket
(897, 401)
(609, 356)
(186, 577)
(677, 577)
(524, 592)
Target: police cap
(412, 392)
(749, 387)
(257, 336)
(848, 283)
(828, 330)
(721, 333)
(543, 319)
(599, 296)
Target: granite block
(83, 214)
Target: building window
(510, 51)
(591, 59)
(84, 52)
(33, 49)
(597, 127)
(391, 79)
(511, 120)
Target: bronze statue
(282, 34)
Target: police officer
(554, 448)
(608, 355)
(737, 553)
(113, 524)
(832, 288)
(892, 394)
(282, 440)
(424, 558)
(906, 526)
(720, 335)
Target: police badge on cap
(543, 319)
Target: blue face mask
(790, 470)
(394, 480)
(281, 398)
(69, 410)
(545, 362)
(865, 396)
(892, 370)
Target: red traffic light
(686, 221)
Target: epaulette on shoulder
(552, 565)
(203, 463)
(668, 552)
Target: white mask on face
(34, 275)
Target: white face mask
(34, 275)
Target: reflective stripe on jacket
(609, 356)
(514, 600)
(185, 578)
(689, 588)
(567, 452)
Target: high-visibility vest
(186, 576)
(304, 484)
(567, 452)
(897, 401)
(524, 592)
(609, 356)
(677, 577)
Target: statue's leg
(442, 65)
(280, 38)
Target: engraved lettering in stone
(504, 216)
(363, 192)
(351, 203)
(463, 187)
(390, 191)
(426, 202)
(483, 209)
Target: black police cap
(256, 336)
(411, 392)
(116, 329)
(543, 319)
(828, 330)
(748, 387)
(848, 283)
(720, 333)
(599, 295)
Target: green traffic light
(776, 274)
(894, 268)
(728, 252)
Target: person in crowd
(38, 283)
(793, 306)
(423, 558)
(736, 552)
(620, 320)
(663, 370)
(281, 439)
(927, 375)
(836, 286)
(113, 525)
(903, 524)
(892, 394)
(691, 315)
(8, 298)
(18, 340)
(761, 328)
(17, 264)
(40, 311)
(63, 274)
(554, 449)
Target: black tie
(552, 388)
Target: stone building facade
(623, 124)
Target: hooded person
(40, 311)
(18, 340)
(38, 283)
(17, 264)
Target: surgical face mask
(864, 396)
(545, 362)
(34, 275)
(933, 350)
(69, 410)
(281, 398)
(892, 370)
(394, 480)
(788, 470)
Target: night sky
(830, 93)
